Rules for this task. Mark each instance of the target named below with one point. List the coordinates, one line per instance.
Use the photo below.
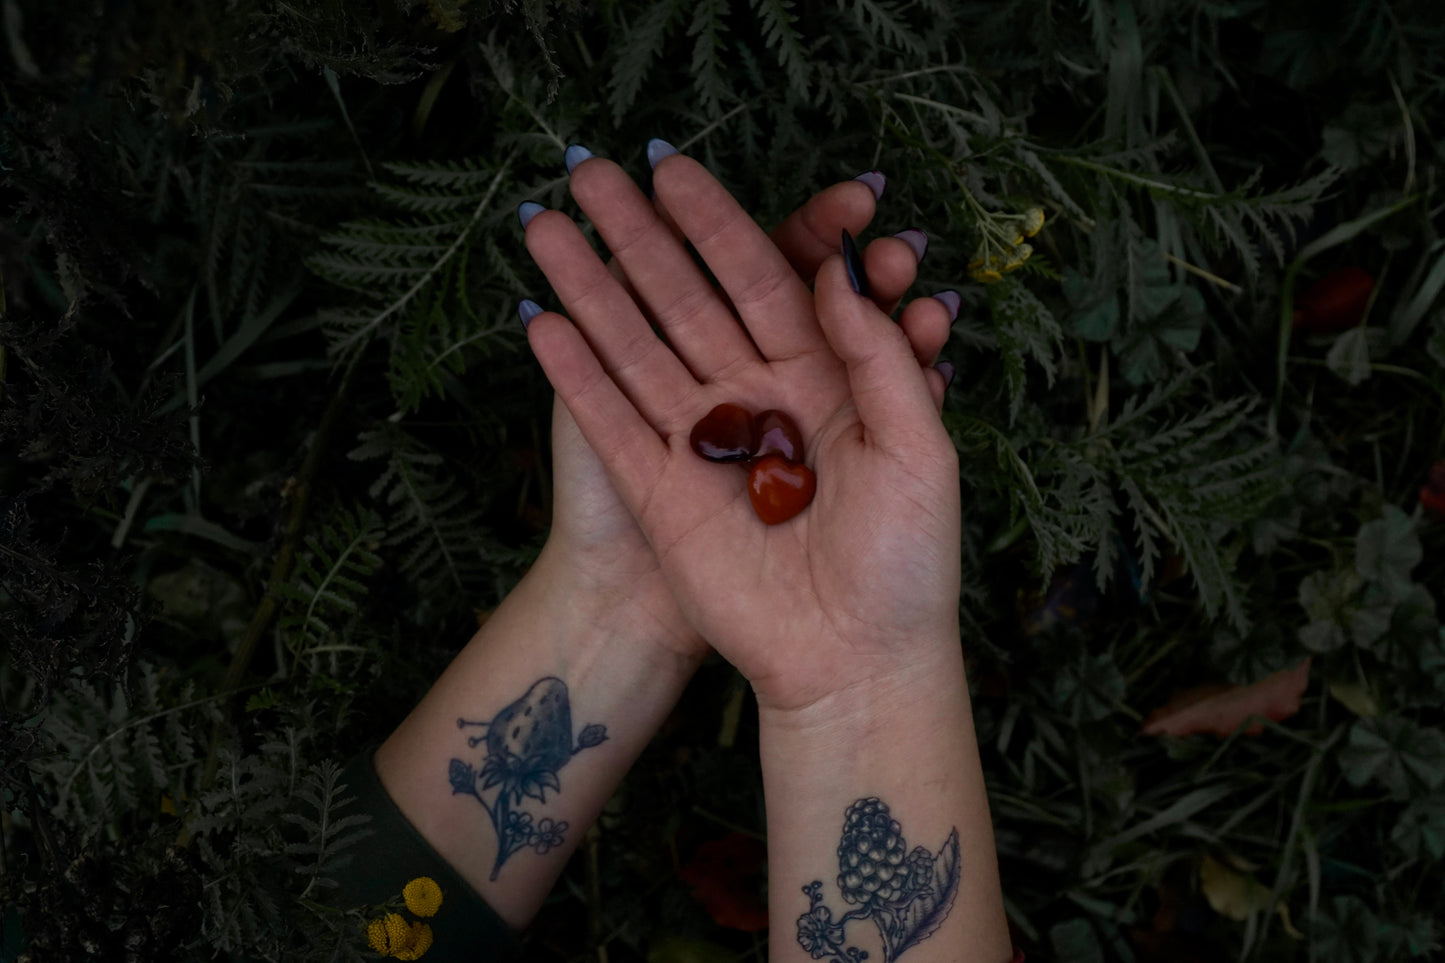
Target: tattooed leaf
(536, 783)
(920, 918)
(462, 777)
(593, 735)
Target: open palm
(828, 599)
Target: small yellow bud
(1033, 221)
(985, 275)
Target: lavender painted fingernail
(528, 309)
(657, 149)
(915, 239)
(945, 368)
(575, 155)
(528, 210)
(951, 301)
(876, 182)
(853, 265)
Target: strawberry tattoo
(527, 743)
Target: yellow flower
(421, 940)
(423, 896)
(985, 275)
(1033, 221)
(394, 937)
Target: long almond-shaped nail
(951, 301)
(527, 309)
(528, 210)
(657, 149)
(946, 369)
(915, 239)
(876, 182)
(575, 155)
(853, 265)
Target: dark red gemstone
(725, 434)
(779, 490)
(778, 435)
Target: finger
(810, 234)
(669, 286)
(888, 387)
(925, 322)
(630, 449)
(892, 267)
(650, 375)
(773, 303)
(937, 385)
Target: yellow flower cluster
(1003, 248)
(396, 937)
(393, 936)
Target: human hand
(595, 534)
(838, 595)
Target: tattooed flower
(519, 824)
(818, 934)
(549, 835)
(423, 896)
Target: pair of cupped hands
(861, 588)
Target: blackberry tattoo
(527, 743)
(906, 894)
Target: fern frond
(329, 583)
(1025, 329)
(645, 40)
(431, 520)
(778, 23)
(707, 77)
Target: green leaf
(1420, 830)
(1090, 689)
(1349, 356)
(1348, 933)
(1395, 753)
(1387, 549)
(1076, 941)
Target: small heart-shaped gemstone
(779, 490)
(724, 434)
(778, 434)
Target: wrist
(927, 669)
(628, 609)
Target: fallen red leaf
(1335, 302)
(1221, 709)
(726, 878)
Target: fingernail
(657, 149)
(853, 264)
(575, 155)
(915, 239)
(951, 301)
(945, 368)
(876, 182)
(528, 309)
(528, 210)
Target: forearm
(908, 744)
(568, 647)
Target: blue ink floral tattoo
(527, 743)
(906, 895)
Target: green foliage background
(272, 440)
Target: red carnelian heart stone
(779, 490)
(725, 434)
(778, 435)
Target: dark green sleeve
(465, 929)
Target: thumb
(889, 390)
